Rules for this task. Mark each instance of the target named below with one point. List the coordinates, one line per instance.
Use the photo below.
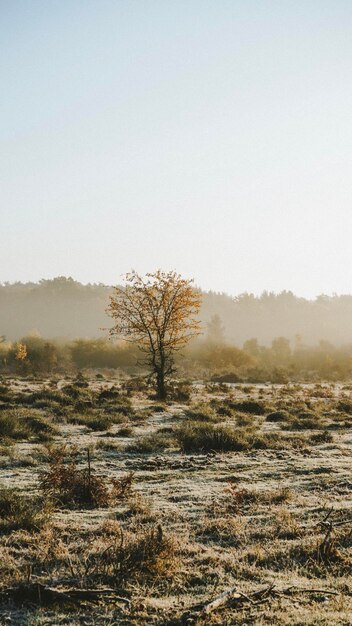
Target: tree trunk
(160, 384)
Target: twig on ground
(37, 593)
(233, 596)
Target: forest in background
(65, 309)
(60, 326)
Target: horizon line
(258, 295)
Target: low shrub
(19, 424)
(200, 436)
(229, 377)
(46, 397)
(141, 415)
(208, 437)
(221, 408)
(344, 406)
(11, 426)
(308, 423)
(68, 485)
(323, 437)
(22, 512)
(125, 431)
(180, 391)
(278, 416)
(109, 445)
(249, 406)
(110, 394)
(93, 422)
(202, 412)
(244, 419)
(118, 414)
(145, 556)
(39, 427)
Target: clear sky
(213, 137)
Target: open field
(116, 509)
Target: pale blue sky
(210, 137)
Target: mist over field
(66, 309)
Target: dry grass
(155, 442)
(145, 556)
(221, 491)
(21, 512)
(21, 424)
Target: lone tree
(158, 314)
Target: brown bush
(71, 486)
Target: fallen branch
(335, 524)
(37, 593)
(234, 596)
(300, 590)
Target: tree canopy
(158, 313)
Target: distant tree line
(64, 308)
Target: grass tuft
(22, 512)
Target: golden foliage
(21, 352)
(158, 313)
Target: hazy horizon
(210, 290)
(210, 137)
(64, 308)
